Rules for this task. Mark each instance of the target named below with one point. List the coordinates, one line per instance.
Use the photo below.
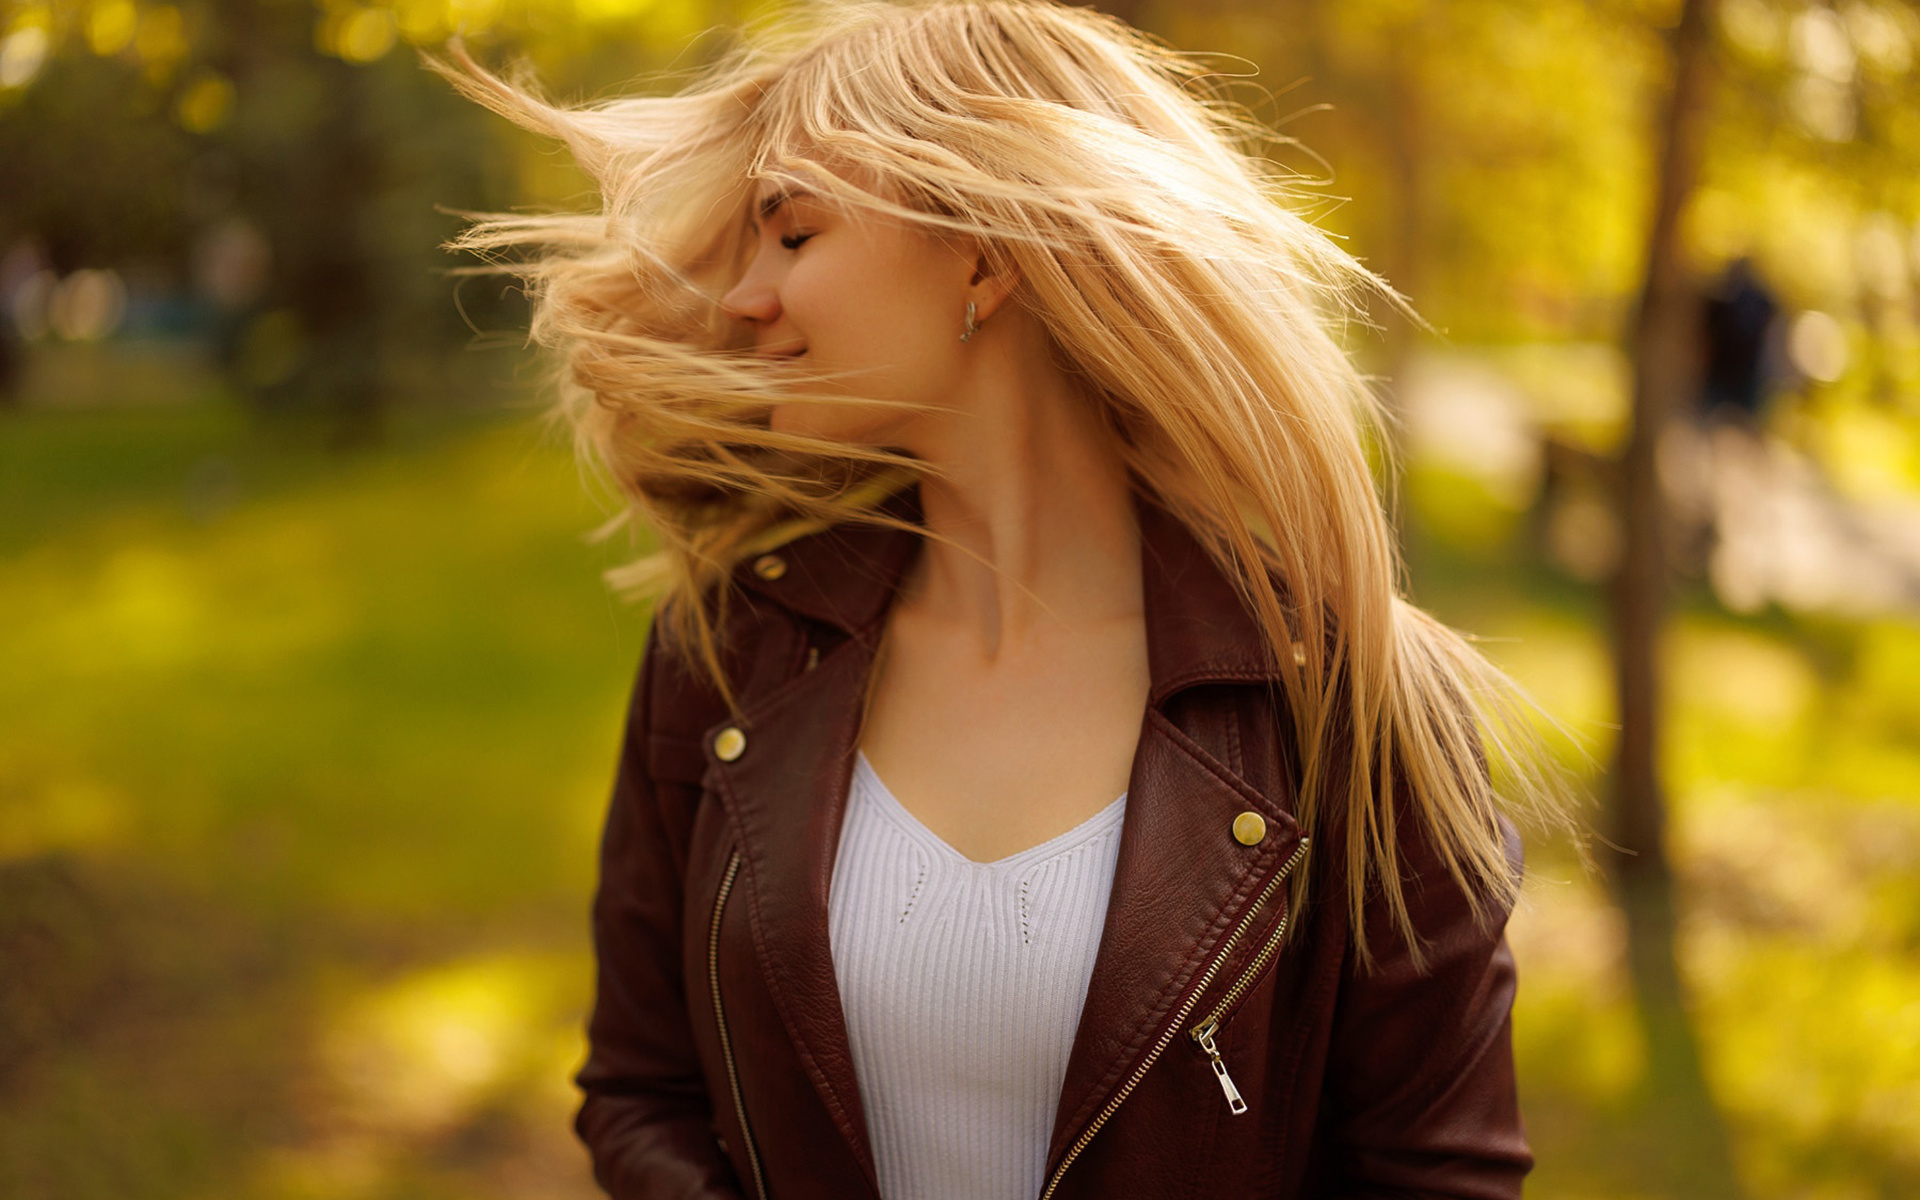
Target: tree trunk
(1133, 12)
(1690, 1140)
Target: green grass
(1792, 761)
(287, 731)
(303, 756)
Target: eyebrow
(770, 204)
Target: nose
(754, 297)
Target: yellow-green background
(307, 718)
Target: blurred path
(1783, 535)
(1762, 518)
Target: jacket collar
(1199, 629)
(1181, 880)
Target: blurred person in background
(1737, 331)
(1721, 442)
(1035, 783)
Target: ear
(991, 285)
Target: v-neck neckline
(1053, 847)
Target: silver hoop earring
(972, 327)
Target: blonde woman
(1035, 785)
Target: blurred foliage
(304, 752)
(302, 773)
(1491, 156)
(1793, 763)
(305, 758)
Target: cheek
(886, 310)
(899, 339)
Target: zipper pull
(1204, 1035)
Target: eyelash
(792, 241)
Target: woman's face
(878, 302)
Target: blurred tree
(1500, 172)
(1698, 1161)
(83, 184)
(315, 130)
(1490, 157)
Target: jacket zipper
(1186, 1007)
(720, 1021)
(1204, 1031)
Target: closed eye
(792, 240)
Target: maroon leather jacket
(719, 1062)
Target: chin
(829, 423)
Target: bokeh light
(309, 690)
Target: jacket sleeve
(646, 1117)
(1420, 1077)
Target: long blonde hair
(1163, 255)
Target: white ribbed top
(962, 984)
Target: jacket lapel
(1181, 880)
(786, 792)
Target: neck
(1030, 512)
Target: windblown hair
(1165, 258)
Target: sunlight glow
(110, 26)
(161, 39)
(418, 1054)
(22, 53)
(206, 103)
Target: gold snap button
(729, 744)
(769, 567)
(1249, 828)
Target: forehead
(760, 189)
(812, 176)
(852, 195)
(771, 194)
